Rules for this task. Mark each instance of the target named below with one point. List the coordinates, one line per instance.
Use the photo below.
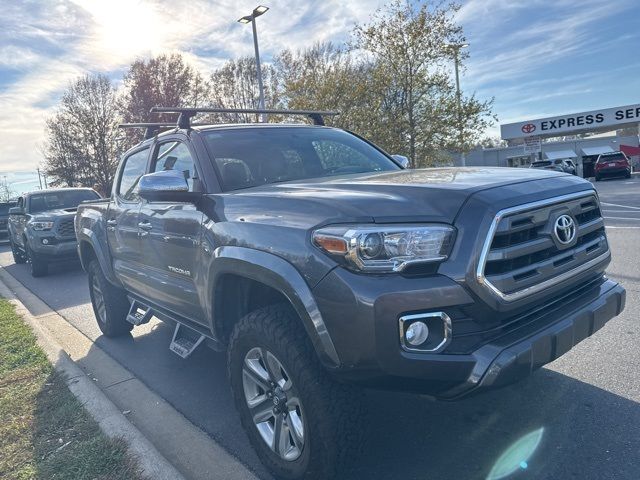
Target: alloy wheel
(98, 299)
(274, 403)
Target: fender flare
(89, 237)
(279, 274)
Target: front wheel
(301, 423)
(39, 267)
(110, 303)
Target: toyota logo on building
(528, 128)
(565, 229)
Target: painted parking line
(629, 212)
(621, 228)
(622, 218)
(617, 205)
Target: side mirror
(402, 160)
(16, 211)
(166, 186)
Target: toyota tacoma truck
(41, 226)
(319, 264)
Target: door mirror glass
(402, 160)
(16, 211)
(167, 185)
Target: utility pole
(39, 178)
(259, 10)
(456, 58)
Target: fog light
(417, 333)
(45, 241)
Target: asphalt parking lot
(585, 405)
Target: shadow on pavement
(587, 432)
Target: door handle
(145, 226)
(111, 225)
(112, 222)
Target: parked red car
(613, 164)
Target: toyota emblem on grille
(565, 229)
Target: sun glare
(125, 27)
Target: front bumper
(57, 249)
(361, 315)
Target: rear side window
(134, 167)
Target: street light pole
(456, 58)
(259, 10)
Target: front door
(170, 237)
(122, 223)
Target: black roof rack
(151, 128)
(184, 121)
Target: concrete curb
(111, 421)
(166, 444)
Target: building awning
(630, 150)
(560, 154)
(589, 151)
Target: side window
(134, 167)
(175, 156)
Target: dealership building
(579, 137)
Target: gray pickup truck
(319, 263)
(41, 226)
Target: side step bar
(185, 340)
(139, 313)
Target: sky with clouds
(535, 57)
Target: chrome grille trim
(482, 261)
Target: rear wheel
(19, 256)
(301, 423)
(110, 303)
(597, 178)
(39, 267)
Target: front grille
(523, 254)
(66, 228)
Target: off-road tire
(19, 257)
(333, 411)
(37, 266)
(112, 320)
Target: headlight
(39, 226)
(386, 248)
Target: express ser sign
(577, 122)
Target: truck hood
(434, 195)
(54, 214)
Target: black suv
(317, 262)
(4, 219)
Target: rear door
(170, 235)
(122, 223)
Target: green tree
(407, 45)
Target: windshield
(63, 199)
(256, 156)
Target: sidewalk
(167, 445)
